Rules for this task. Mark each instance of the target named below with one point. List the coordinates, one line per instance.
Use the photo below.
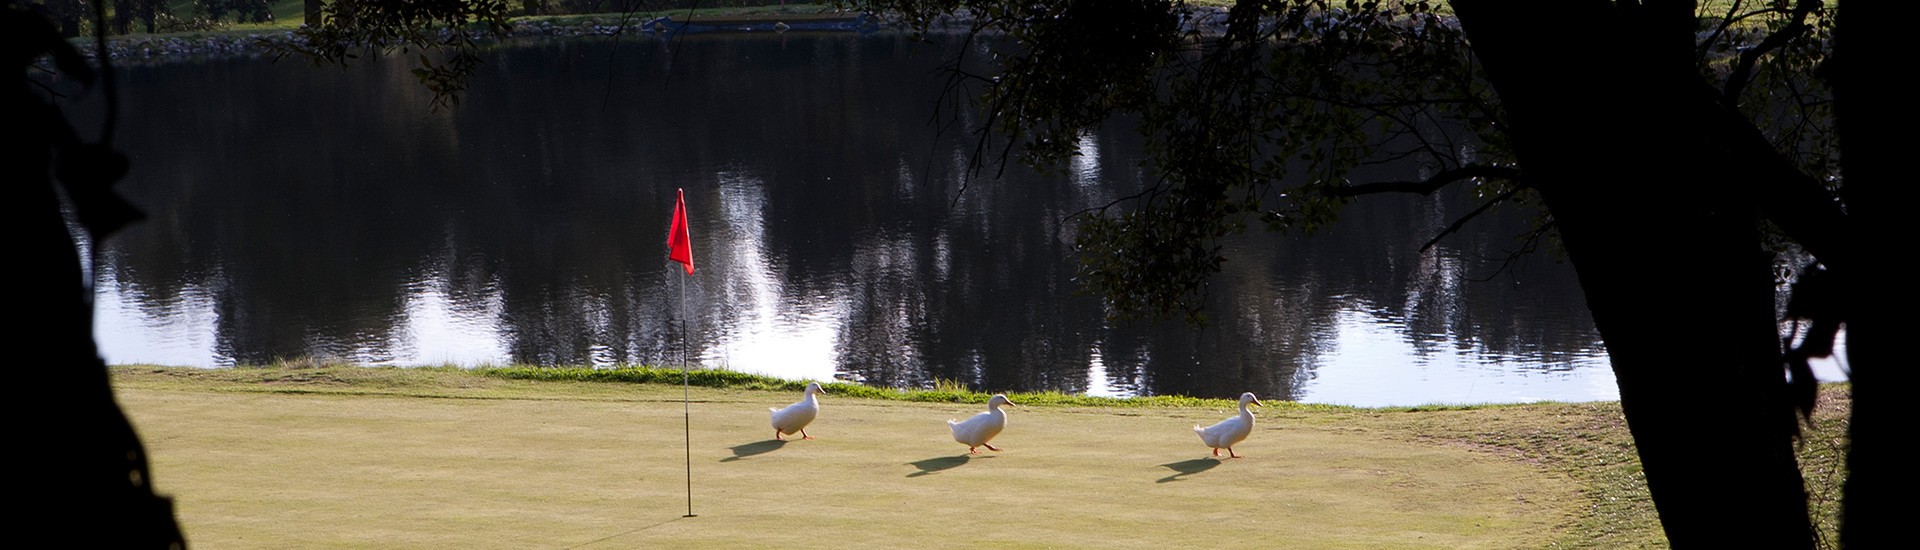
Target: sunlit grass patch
(440, 458)
(1361, 469)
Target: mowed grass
(439, 458)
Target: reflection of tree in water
(888, 321)
(808, 163)
(311, 283)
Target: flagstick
(686, 394)
(680, 249)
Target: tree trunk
(1619, 135)
(313, 13)
(122, 17)
(80, 468)
(67, 14)
(1880, 479)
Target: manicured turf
(391, 458)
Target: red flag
(679, 241)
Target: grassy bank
(941, 393)
(385, 457)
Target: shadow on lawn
(1187, 468)
(754, 448)
(940, 463)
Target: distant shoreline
(137, 49)
(240, 43)
(262, 42)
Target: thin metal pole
(686, 394)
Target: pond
(298, 212)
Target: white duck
(1230, 431)
(975, 432)
(795, 417)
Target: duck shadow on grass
(1188, 467)
(939, 464)
(755, 448)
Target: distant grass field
(333, 456)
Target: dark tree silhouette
(67, 14)
(147, 12)
(88, 469)
(1881, 476)
(84, 468)
(1708, 413)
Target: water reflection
(442, 327)
(306, 212)
(758, 325)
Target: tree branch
(1799, 203)
(1527, 246)
(1462, 222)
(1743, 69)
(1726, 22)
(1429, 185)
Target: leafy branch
(448, 29)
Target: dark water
(318, 212)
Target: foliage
(242, 11)
(447, 29)
(149, 12)
(1769, 57)
(446, 33)
(1280, 111)
(69, 15)
(1232, 103)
